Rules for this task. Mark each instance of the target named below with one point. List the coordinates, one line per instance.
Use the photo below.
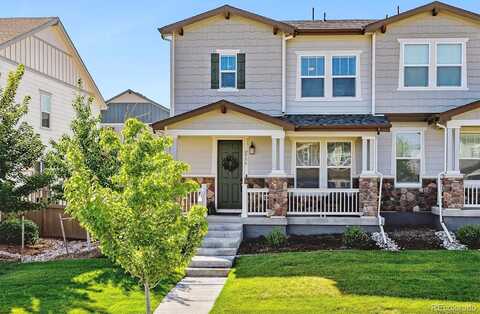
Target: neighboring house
(52, 70)
(130, 104)
(301, 120)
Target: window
(313, 76)
(470, 155)
(408, 158)
(449, 65)
(416, 62)
(328, 75)
(228, 71)
(344, 71)
(308, 165)
(46, 108)
(428, 64)
(339, 165)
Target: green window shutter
(241, 71)
(214, 58)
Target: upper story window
(328, 76)
(228, 71)
(429, 64)
(408, 157)
(45, 108)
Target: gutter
(172, 72)
(440, 186)
(284, 71)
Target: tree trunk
(147, 298)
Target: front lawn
(354, 282)
(73, 286)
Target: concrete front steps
(216, 255)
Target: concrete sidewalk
(194, 295)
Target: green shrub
(470, 236)
(355, 238)
(276, 238)
(11, 231)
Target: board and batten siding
(321, 44)
(444, 25)
(263, 64)
(40, 55)
(433, 149)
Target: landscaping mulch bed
(41, 246)
(416, 238)
(298, 243)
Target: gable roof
(16, 28)
(223, 105)
(447, 115)
(129, 91)
(226, 10)
(433, 7)
(321, 27)
(13, 29)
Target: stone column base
(453, 192)
(368, 186)
(277, 195)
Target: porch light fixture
(251, 149)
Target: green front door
(229, 174)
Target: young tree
(86, 136)
(20, 149)
(139, 222)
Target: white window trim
(328, 77)
(396, 131)
(432, 67)
(323, 162)
(227, 52)
(45, 93)
(469, 158)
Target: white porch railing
(323, 202)
(256, 201)
(472, 194)
(195, 198)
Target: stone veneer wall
(368, 190)
(453, 192)
(409, 199)
(260, 183)
(277, 195)
(210, 182)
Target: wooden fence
(48, 222)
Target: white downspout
(440, 185)
(284, 71)
(374, 37)
(172, 73)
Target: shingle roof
(337, 121)
(330, 24)
(10, 28)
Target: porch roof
(338, 122)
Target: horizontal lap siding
(388, 99)
(434, 150)
(263, 64)
(197, 152)
(62, 97)
(329, 43)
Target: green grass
(354, 282)
(73, 286)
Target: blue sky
(120, 44)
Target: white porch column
(278, 155)
(453, 150)
(174, 148)
(274, 154)
(369, 155)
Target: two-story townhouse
(52, 69)
(131, 104)
(314, 125)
